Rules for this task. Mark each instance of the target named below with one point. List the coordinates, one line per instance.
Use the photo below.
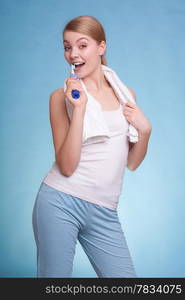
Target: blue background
(146, 47)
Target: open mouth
(78, 66)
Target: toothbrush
(75, 93)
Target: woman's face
(83, 49)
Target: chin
(82, 76)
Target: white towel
(95, 128)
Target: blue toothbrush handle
(75, 93)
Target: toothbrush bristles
(72, 69)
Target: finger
(74, 80)
(127, 114)
(75, 88)
(130, 103)
(71, 80)
(74, 85)
(127, 118)
(128, 108)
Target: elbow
(67, 172)
(64, 171)
(131, 168)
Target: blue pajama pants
(60, 219)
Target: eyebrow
(76, 40)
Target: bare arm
(67, 135)
(69, 153)
(137, 151)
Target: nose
(74, 53)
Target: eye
(66, 48)
(83, 46)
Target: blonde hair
(90, 26)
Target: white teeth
(77, 63)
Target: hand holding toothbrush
(74, 91)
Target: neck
(96, 80)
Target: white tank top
(98, 177)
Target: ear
(102, 48)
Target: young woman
(78, 198)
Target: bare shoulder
(58, 93)
(57, 104)
(57, 98)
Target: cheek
(91, 53)
(66, 56)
